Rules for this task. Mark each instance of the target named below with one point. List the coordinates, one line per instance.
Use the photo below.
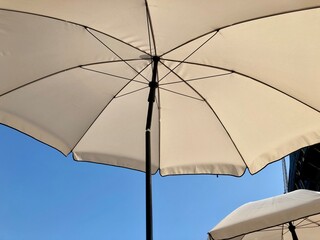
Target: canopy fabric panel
(238, 81)
(266, 218)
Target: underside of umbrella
(294, 215)
(235, 83)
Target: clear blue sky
(46, 196)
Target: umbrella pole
(151, 99)
(292, 229)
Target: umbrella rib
(107, 104)
(313, 222)
(61, 71)
(252, 78)
(128, 93)
(37, 80)
(193, 52)
(197, 79)
(308, 223)
(112, 75)
(210, 236)
(282, 231)
(213, 111)
(237, 23)
(99, 40)
(300, 222)
(181, 94)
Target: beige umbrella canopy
(294, 215)
(238, 81)
(227, 85)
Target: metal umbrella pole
(292, 228)
(151, 99)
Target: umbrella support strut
(151, 99)
(292, 229)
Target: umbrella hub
(153, 84)
(156, 58)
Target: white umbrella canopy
(237, 81)
(271, 219)
(222, 85)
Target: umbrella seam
(150, 30)
(213, 111)
(61, 71)
(77, 24)
(103, 109)
(173, 49)
(237, 23)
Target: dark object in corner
(305, 169)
